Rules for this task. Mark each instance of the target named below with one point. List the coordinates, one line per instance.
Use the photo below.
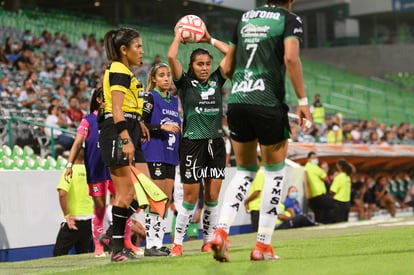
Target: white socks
(183, 219)
(269, 206)
(210, 217)
(234, 197)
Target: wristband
(212, 41)
(69, 165)
(303, 101)
(121, 125)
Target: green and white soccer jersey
(259, 76)
(202, 105)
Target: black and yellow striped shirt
(118, 77)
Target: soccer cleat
(136, 250)
(219, 245)
(263, 252)
(99, 250)
(106, 241)
(123, 255)
(206, 247)
(165, 249)
(154, 251)
(177, 250)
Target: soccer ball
(191, 28)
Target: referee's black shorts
(270, 125)
(111, 145)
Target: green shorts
(192, 230)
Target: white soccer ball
(191, 28)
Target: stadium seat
(61, 162)
(53, 164)
(8, 163)
(32, 163)
(7, 152)
(29, 152)
(42, 163)
(18, 152)
(20, 163)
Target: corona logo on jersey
(191, 28)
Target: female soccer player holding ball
(202, 149)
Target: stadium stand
(25, 147)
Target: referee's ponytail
(116, 38)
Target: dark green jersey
(202, 106)
(259, 76)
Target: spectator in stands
(341, 191)
(398, 186)
(5, 89)
(28, 97)
(57, 40)
(373, 138)
(383, 197)
(57, 119)
(95, 79)
(93, 50)
(77, 209)
(3, 57)
(79, 74)
(27, 39)
(381, 129)
(386, 139)
(346, 132)
(59, 59)
(30, 100)
(43, 39)
(291, 212)
(318, 111)
(66, 76)
(65, 41)
(46, 74)
(370, 201)
(357, 199)
(335, 133)
(409, 195)
(319, 201)
(8, 46)
(24, 62)
(61, 94)
(84, 106)
(82, 43)
(356, 134)
(157, 59)
(73, 112)
(328, 180)
(83, 88)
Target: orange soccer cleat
(263, 252)
(219, 245)
(206, 247)
(176, 250)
